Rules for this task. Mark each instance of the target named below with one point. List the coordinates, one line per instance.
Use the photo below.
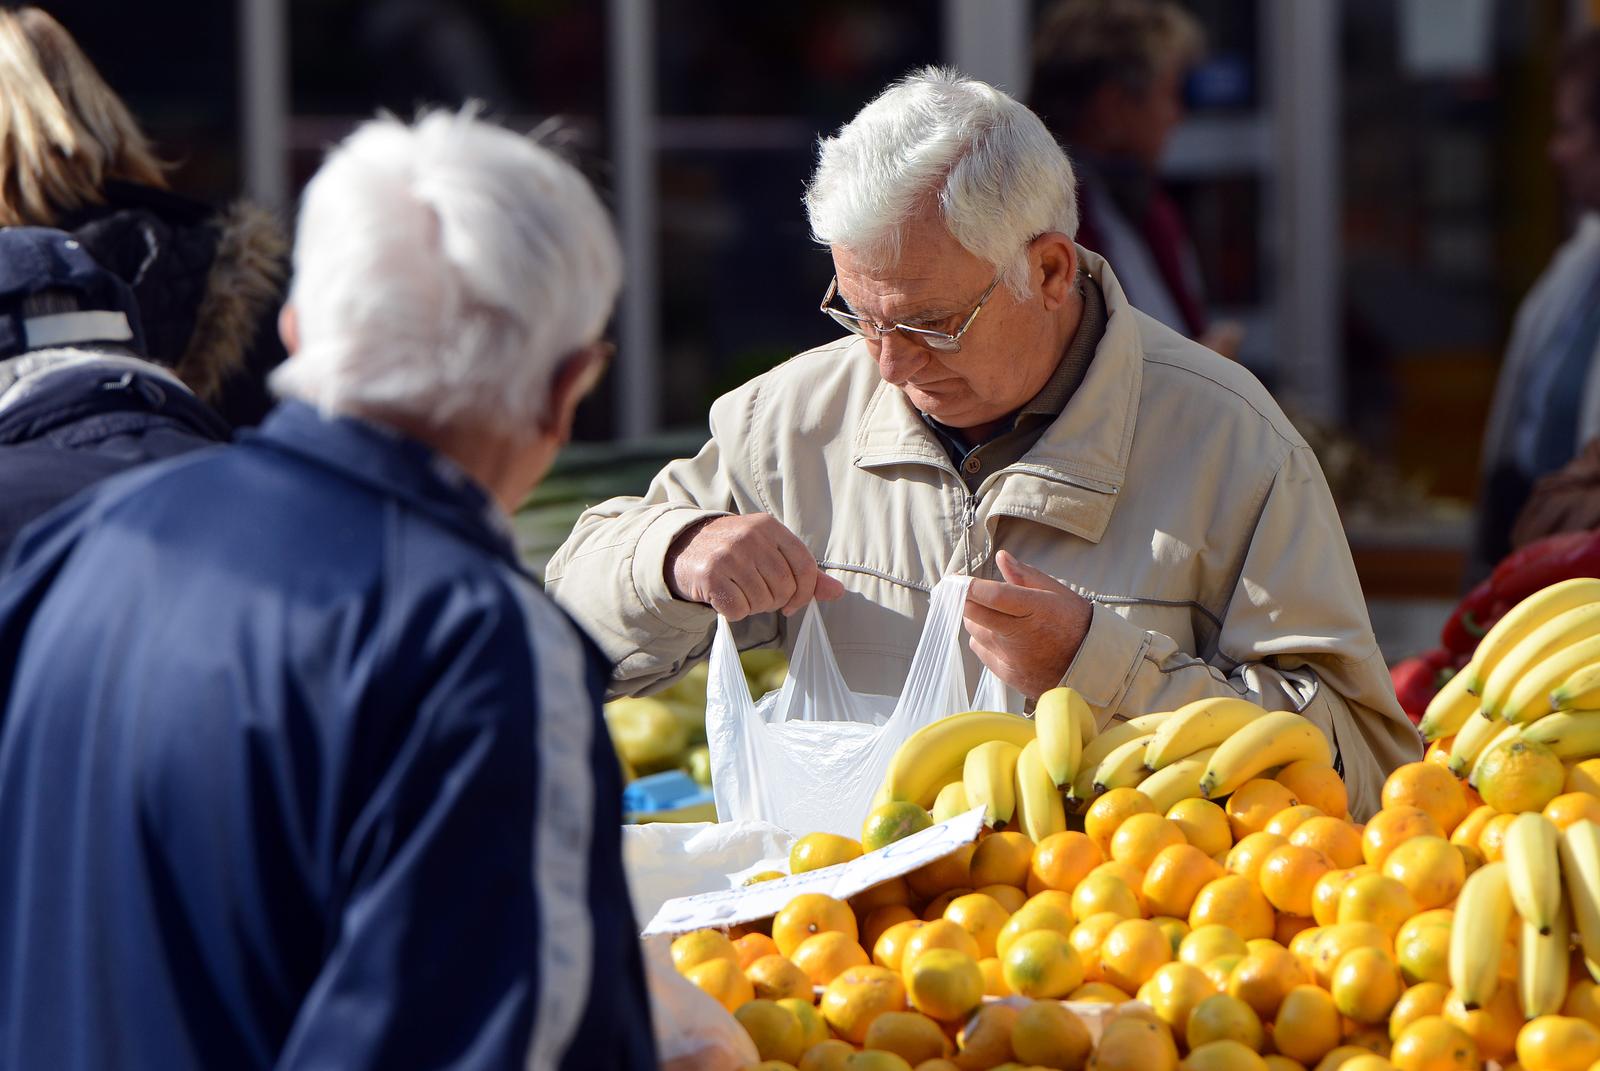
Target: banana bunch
(1547, 884)
(1535, 675)
(1014, 767)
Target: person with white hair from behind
(298, 767)
(1144, 524)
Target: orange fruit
(1062, 860)
(1333, 837)
(1042, 965)
(693, 949)
(911, 1036)
(1288, 875)
(1432, 1043)
(1264, 977)
(753, 946)
(1343, 1056)
(1135, 1043)
(985, 1041)
(1439, 750)
(775, 1030)
(859, 995)
(1007, 896)
(1220, 970)
(1223, 1056)
(935, 908)
(1175, 929)
(1127, 873)
(1325, 895)
(1493, 1028)
(1224, 1018)
(1378, 899)
(826, 955)
(893, 821)
(1089, 936)
(1174, 877)
(951, 871)
(981, 916)
(994, 978)
(883, 894)
(1001, 859)
(1289, 927)
(1099, 993)
(775, 978)
(723, 981)
(1235, 902)
(1471, 827)
(1583, 1000)
(1048, 1035)
(1203, 823)
(808, 915)
(1424, 919)
(1246, 857)
(1307, 1025)
(1431, 869)
(1108, 812)
(829, 1054)
(1492, 838)
(1365, 985)
(813, 1029)
(1254, 803)
(1140, 838)
(1426, 998)
(1423, 953)
(1173, 991)
(1132, 951)
(1333, 942)
(1033, 916)
(1105, 892)
(1206, 943)
(817, 850)
(946, 984)
(1393, 826)
(1519, 775)
(1570, 807)
(1558, 1043)
(1584, 777)
(1289, 819)
(890, 947)
(878, 922)
(1316, 784)
(1430, 787)
(942, 933)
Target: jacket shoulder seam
(1289, 441)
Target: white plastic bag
(810, 756)
(692, 1031)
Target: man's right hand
(746, 565)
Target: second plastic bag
(810, 756)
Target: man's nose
(899, 358)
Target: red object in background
(1469, 621)
(1524, 571)
(1417, 680)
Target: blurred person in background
(1108, 81)
(1547, 400)
(1145, 525)
(72, 156)
(319, 779)
(78, 402)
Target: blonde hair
(1083, 44)
(63, 132)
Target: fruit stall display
(1187, 890)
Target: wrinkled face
(1575, 144)
(1006, 356)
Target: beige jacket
(1172, 492)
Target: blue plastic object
(668, 791)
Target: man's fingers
(828, 588)
(1005, 598)
(802, 569)
(729, 600)
(1025, 575)
(982, 619)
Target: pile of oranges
(1268, 932)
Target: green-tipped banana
(1571, 734)
(1472, 738)
(951, 801)
(1058, 722)
(1123, 768)
(1580, 867)
(1276, 738)
(1533, 863)
(1040, 811)
(1557, 634)
(1119, 733)
(1176, 781)
(990, 778)
(1196, 726)
(1448, 710)
(915, 771)
(1581, 691)
(1522, 619)
(1478, 934)
(1530, 696)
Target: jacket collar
(382, 458)
(1072, 476)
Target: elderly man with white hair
(1146, 525)
(298, 767)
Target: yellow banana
(951, 801)
(1522, 619)
(1276, 738)
(1199, 725)
(1123, 768)
(1581, 691)
(1506, 734)
(1058, 721)
(1580, 867)
(1176, 781)
(1040, 811)
(1530, 696)
(1546, 956)
(1119, 733)
(1533, 866)
(1556, 634)
(990, 778)
(917, 766)
(1571, 734)
(1471, 739)
(1449, 709)
(1478, 934)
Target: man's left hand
(1027, 629)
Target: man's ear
(1058, 265)
(574, 379)
(289, 329)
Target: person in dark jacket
(72, 156)
(78, 403)
(299, 768)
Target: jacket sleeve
(610, 572)
(1295, 636)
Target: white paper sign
(764, 899)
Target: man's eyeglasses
(942, 341)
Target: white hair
(999, 178)
(442, 271)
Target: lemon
(892, 822)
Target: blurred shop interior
(1366, 183)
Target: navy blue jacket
(299, 769)
(81, 425)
